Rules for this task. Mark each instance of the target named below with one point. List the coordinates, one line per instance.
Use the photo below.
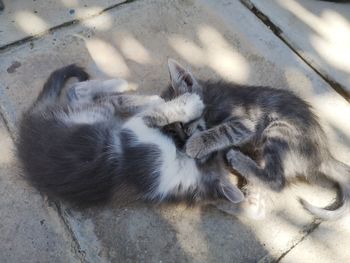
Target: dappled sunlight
(88, 11)
(337, 113)
(326, 241)
(187, 50)
(214, 52)
(298, 82)
(134, 44)
(222, 58)
(70, 3)
(6, 150)
(332, 40)
(103, 22)
(302, 13)
(30, 23)
(334, 46)
(133, 49)
(188, 233)
(288, 230)
(107, 58)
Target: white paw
(193, 105)
(254, 205)
(115, 86)
(156, 100)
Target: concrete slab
(326, 244)
(318, 30)
(30, 230)
(22, 19)
(144, 233)
(217, 40)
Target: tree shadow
(319, 31)
(134, 43)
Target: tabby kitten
(271, 136)
(98, 142)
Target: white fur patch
(83, 116)
(176, 169)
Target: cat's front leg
(132, 104)
(87, 91)
(184, 108)
(231, 133)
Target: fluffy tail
(53, 86)
(339, 173)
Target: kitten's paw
(254, 205)
(115, 86)
(193, 105)
(156, 100)
(195, 147)
(154, 120)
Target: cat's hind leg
(254, 204)
(277, 162)
(132, 104)
(88, 91)
(271, 173)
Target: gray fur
(271, 135)
(98, 142)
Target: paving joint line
(336, 86)
(306, 231)
(6, 120)
(76, 247)
(38, 36)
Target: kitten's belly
(178, 172)
(85, 117)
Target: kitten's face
(182, 81)
(194, 127)
(180, 132)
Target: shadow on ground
(134, 41)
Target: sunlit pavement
(133, 39)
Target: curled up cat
(98, 142)
(270, 136)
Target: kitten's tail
(340, 173)
(53, 86)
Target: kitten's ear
(182, 80)
(231, 192)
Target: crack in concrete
(306, 231)
(336, 86)
(8, 125)
(22, 41)
(76, 248)
(7, 114)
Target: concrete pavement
(217, 39)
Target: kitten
(100, 142)
(271, 136)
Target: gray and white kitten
(99, 142)
(271, 136)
